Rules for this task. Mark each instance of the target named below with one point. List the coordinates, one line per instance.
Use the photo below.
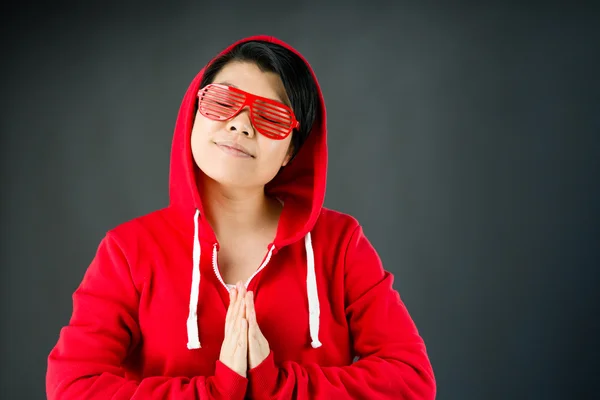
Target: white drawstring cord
(192, 321)
(314, 310)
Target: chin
(229, 175)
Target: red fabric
(127, 335)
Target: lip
(234, 149)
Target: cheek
(274, 150)
(203, 131)
(200, 140)
(272, 156)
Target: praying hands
(244, 346)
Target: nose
(241, 123)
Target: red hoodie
(148, 317)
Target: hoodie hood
(300, 185)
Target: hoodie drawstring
(314, 310)
(192, 321)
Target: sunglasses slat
(275, 118)
(272, 129)
(225, 108)
(273, 110)
(220, 98)
(217, 112)
(228, 92)
(218, 105)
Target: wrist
(228, 382)
(262, 379)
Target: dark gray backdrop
(464, 139)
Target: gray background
(464, 139)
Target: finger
(241, 346)
(239, 311)
(248, 313)
(232, 301)
(250, 310)
(241, 291)
(236, 312)
(253, 329)
(255, 334)
(248, 301)
(242, 294)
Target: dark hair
(297, 79)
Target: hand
(234, 350)
(258, 347)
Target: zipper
(216, 268)
(262, 266)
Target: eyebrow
(279, 99)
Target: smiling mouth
(233, 151)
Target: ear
(288, 156)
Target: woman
(158, 314)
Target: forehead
(249, 77)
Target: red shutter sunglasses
(270, 118)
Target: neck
(239, 210)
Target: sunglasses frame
(249, 101)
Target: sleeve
(393, 360)
(86, 361)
